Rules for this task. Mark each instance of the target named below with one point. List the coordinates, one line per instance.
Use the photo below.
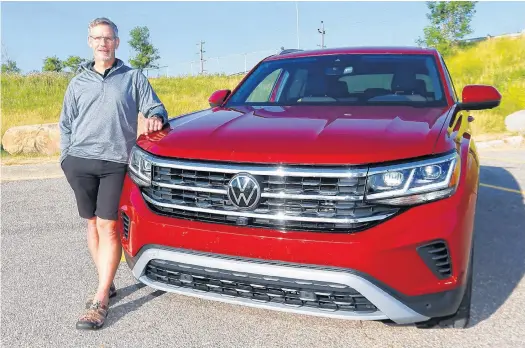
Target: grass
(497, 62)
(32, 99)
(187, 94)
(37, 98)
(7, 159)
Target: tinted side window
(261, 93)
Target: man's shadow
(117, 311)
(499, 256)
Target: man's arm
(149, 103)
(68, 114)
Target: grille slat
(125, 224)
(289, 292)
(437, 250)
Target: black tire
(461, 318)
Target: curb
(513, 141)
(30, 172)
(11, 179)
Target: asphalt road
(47, 275)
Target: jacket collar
(88, 66)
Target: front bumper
(385, 305)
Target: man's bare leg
(108, 257)
(92, 239)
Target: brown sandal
(94, 318)
(112, 293)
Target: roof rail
(290, 50)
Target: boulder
(515, 122)
(41, 139)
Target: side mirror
(479, 97)
(218, 97)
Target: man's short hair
(103, 20)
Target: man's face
(103, 42)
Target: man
(98, 126)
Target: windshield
(346, 79)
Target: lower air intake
(270, 289)
(125, 225)
(437, 258)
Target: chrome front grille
(190, 178)
(314, 186)
(292, 198)
(269, 183)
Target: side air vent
(125, 224)
(437, 258)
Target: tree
(53, 64)
(146, 54)
(10, 67)
(73, 63)
(449, 23)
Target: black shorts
(97, 185)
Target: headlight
(413, 183)
(139, 167)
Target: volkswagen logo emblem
(244, 191)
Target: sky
(236, 34)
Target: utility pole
(322, 32)
(5, 56)
(201, 56)
(297, 22)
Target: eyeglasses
(100, 38)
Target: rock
(514, 141)
(491, 143)
(515, 122)
(41, 139)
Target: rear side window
(360, 83)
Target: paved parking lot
(47, 275)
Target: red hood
(301, 134)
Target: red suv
(335, 182)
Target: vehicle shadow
(499, 257)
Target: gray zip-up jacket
(99, 116)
